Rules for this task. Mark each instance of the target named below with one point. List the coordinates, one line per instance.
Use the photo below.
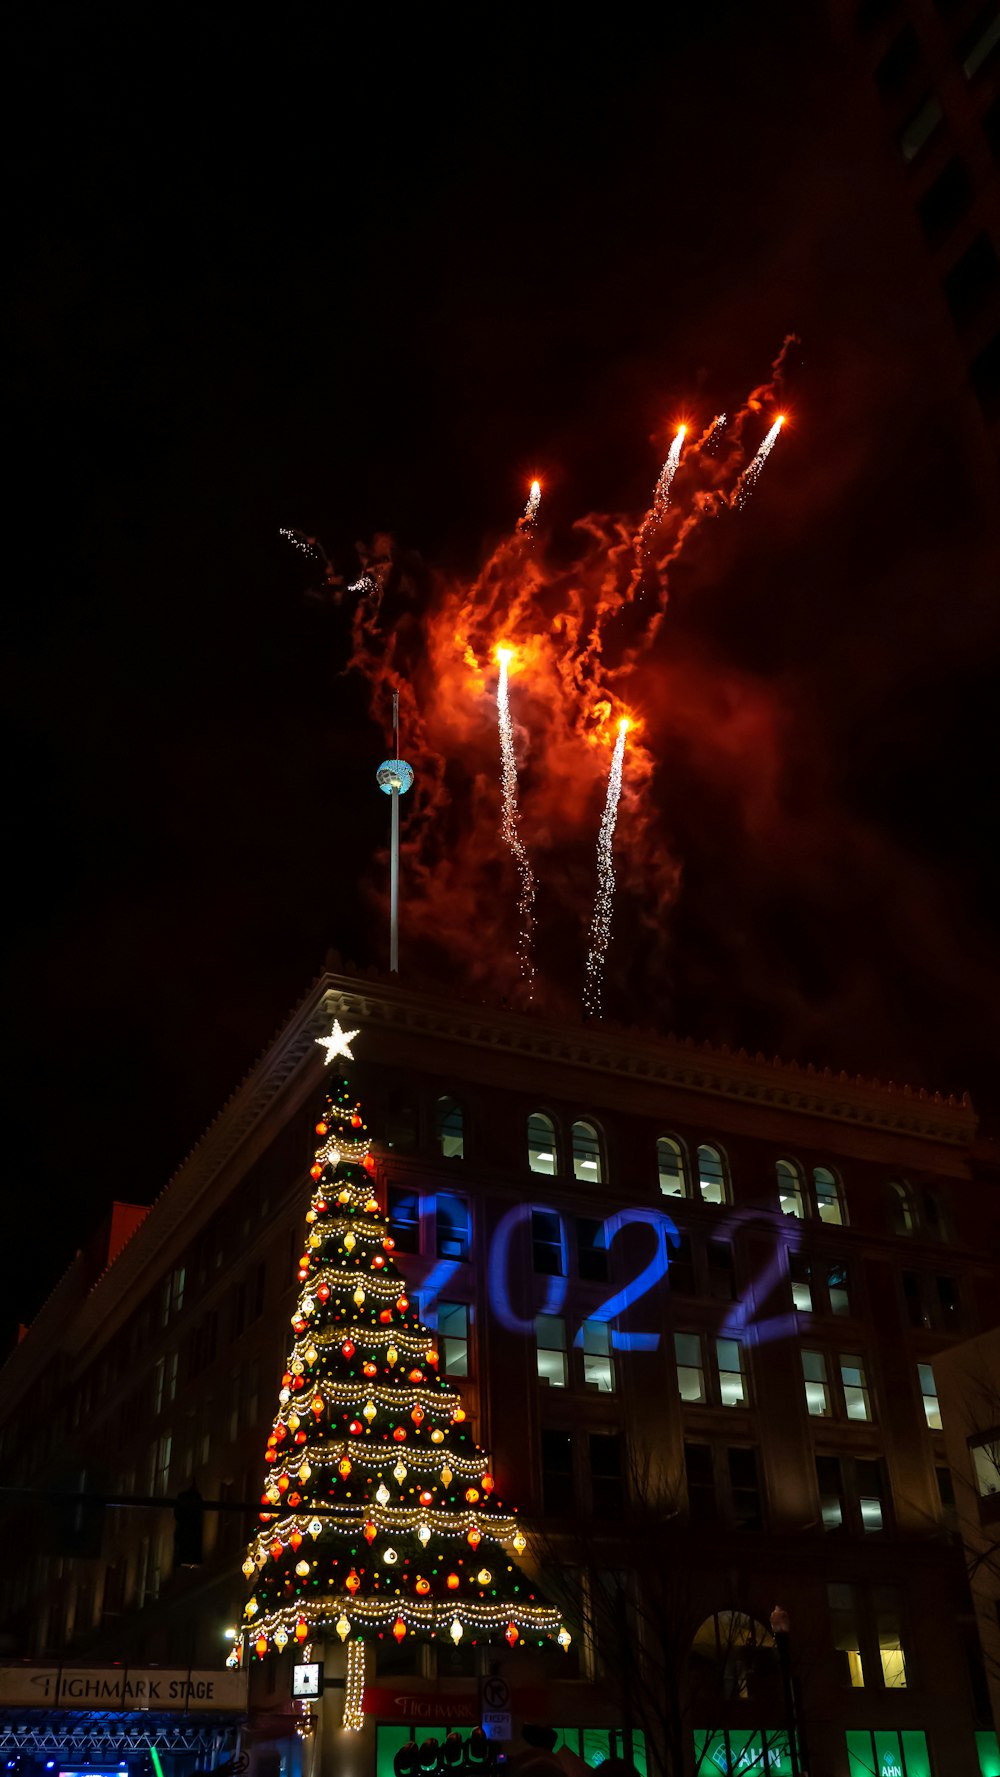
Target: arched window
(587, 1154)
(541, 1143)
(935, 1221)
(449, 1128)
(829, 1196)
(733, 1656)
(671, 1168)
(901, 1219)
(790, 1195)
(711, 1176)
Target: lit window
(449, 1125)
(836, 1289)
(790, 1188)
(690, 1367)
(670, 1166)
(844, 1626)
(929, 1395)
(800, 1277)
(711, 1176)
(904, 1754)
(829, 1200)
(453, 1234)
(453, 1338)
(868, 1476)
(586, 1153)
(550, 1343)
(852, 1375)
(547, 1251)
(889, 1638)
(817, 1384)
(541, 1143)
(598, 1370)
(732, 1381)
(986, 1464)
(900, 1209)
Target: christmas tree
(380, 1516)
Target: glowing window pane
(732, 1383)
(450, 1129)
(789, 1188)
(541, 1144)
(711, 1176)
(816, 1384)
(586, 1154)
(929, 1395)
(690, 1368)
(550, 1341)
(828, 1201)
(598, 1369)
(670, 1166)
(852, 1376)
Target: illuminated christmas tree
(380, 1517)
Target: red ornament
(385, 1316)
(472, 1494)
(432, 1357)
(453, 1581)
(355, 1428)
(261, 1646)
(510, 1633)
(317, 1406)
(301, 1629)
(323, 1293)
(400, 1434)
(368, 1163)
(280, 1433)
(300, 1437)
(355, 1121)
(423, 1586)
(347, 1348)
(295, 1541)
(399, 1628)
(402, 1304)
(294, 1500)
(283, 1483)
(277, 1549)
(352, 1582)
(418, 1415)
(426, 1498)
(389, 1244)
(416, 1375)
(369, 1531)
(321, 1129)
(378, 1261)
(316, 1170)
(321, 1206)
(488, 1483)
(286, 1380)
(370, 1369)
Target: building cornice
(677, 1065)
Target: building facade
(698, 1305)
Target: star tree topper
(338, 1043)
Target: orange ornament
(423, 1586)
(369, 1531)
(453, 1581)
(352, 1582)
(261, 1646)
(402, 1304)
(301, 1629)
(400, 1434)
(399, 1628)
(321, 1129)
(510, 1633)
(295, 1541)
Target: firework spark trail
(526, 522)
(299, 540)
(600, 925)
(711, 439)
(661, 498)
(509, 826)
(748, 480)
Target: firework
(748, 480)
(526, 522)
(713, 436)
(600, 925)
(661, 497)
(509, 826)
(299, 540)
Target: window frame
(683, 1173)
(587, 1154)
(539, 1117)
(455, 1108)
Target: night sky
(366, 280)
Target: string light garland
(378, 1506)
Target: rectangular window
(817, 1384)
(404, 1219)
(557, 1473)
(161, 1472)
(681, 1272)
(453, 1338)
(598, 1366)
(591, 1250)
(744, 1488)
(837, 1289)
(732, 1379)
(690, 1367)
(547, 1256)
(800, 1277)
(550, 1344)
(700, 1483)
(887, 1753)
(870, 1486)
(852, 1375)
(830, 1481)
(985, 1453)
(929, 1395)
(888, 1619)
(721, 1271)
(453, 1232)
(607, 1493)
(844, 1628)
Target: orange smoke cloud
(585, 652)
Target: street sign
(494, 1693)
(497, 1724)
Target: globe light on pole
(394, 776)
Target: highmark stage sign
(121, 1687)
